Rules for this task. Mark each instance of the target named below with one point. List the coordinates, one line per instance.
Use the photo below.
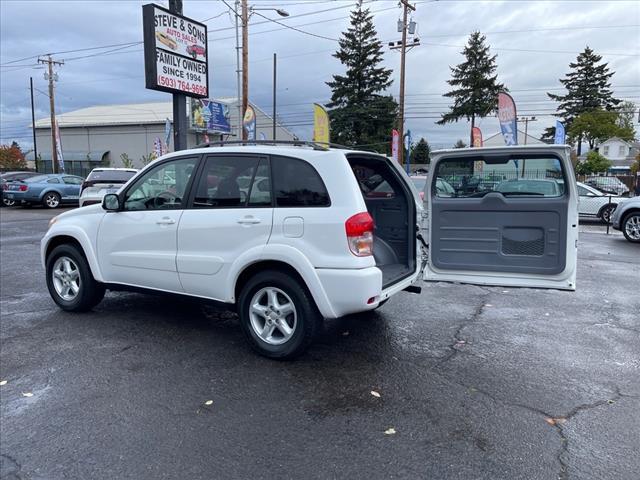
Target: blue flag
(559, 138)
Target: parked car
(101, 181)
(50, 191)
(595, 203)
(9, 177)
(420, 183)
(317, 239)
(530, 186)
(626, 218)
(612, 185)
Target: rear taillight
(359, 230)
(23, 188)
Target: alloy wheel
(66, 278)
(52, 200)
(632, 227)
(273, 316)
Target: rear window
(476, 176)
(110, 176)
(297, 184)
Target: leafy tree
(594, 163)
(12, 158)
(359, 112)
(460, 144)
(626, 111)
(549, 135)
(420, 152)
(598, 125)
(147, 159)
(588, 88)
(126, 161)
(475, 83)
(635, 166)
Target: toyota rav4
(291, 235)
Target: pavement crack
(12, 466)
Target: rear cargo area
(391, 204)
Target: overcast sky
(535, 41)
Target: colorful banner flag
(508, 119)
(477, 136)
(59, 148)
(157, 147)
(320, 124)
(249, 123)
(395, 144)
(559, 137)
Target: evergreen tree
(420, 152)
(475, 83)
(588, 88)
(360, 114)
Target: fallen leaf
(27, 394)
(390, 431)
(3, 383)
(375, 394)
(550, 421)
(555, 421)
(344, 334)
(209, 402)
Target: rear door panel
(499, 234)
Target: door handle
(166, 221)
(249, 220)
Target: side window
(297, 184)
(162, 187)
(72, 180)
(53, 180)
(471, 176)
(583, 192)
(226, 181)
(260, 195)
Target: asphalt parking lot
(476, 382)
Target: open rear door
(503, 216)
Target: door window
(161, 188)
(298, 184)
(72, 180)
(472, 176)
(229, 182)
(53, 180)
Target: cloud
(305, 63)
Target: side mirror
(111, 202)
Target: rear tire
(70, 282)
(51, 200)
(630, 227)
(278, 315)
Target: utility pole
(402, 46)
(245, 63)
(52, 77)
(33, 124)
(275, 59)
(179, 101)
(526, 121)
(238, 72)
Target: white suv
(295, 234)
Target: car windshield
(110, 176)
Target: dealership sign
(175, 53)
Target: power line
(296, 29)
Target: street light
(244, 18)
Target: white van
(291, 235)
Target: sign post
(175, 58)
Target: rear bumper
(349, 291)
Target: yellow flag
(320, 124)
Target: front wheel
(278, 315)
(8, 202)
(70, 282)
(51, 200)
(631, 227)
(606, 212)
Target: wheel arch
(77, 239)
(628, 213)
(605, 206)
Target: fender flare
(82, 238)
(289, 256)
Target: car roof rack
(294, 143)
